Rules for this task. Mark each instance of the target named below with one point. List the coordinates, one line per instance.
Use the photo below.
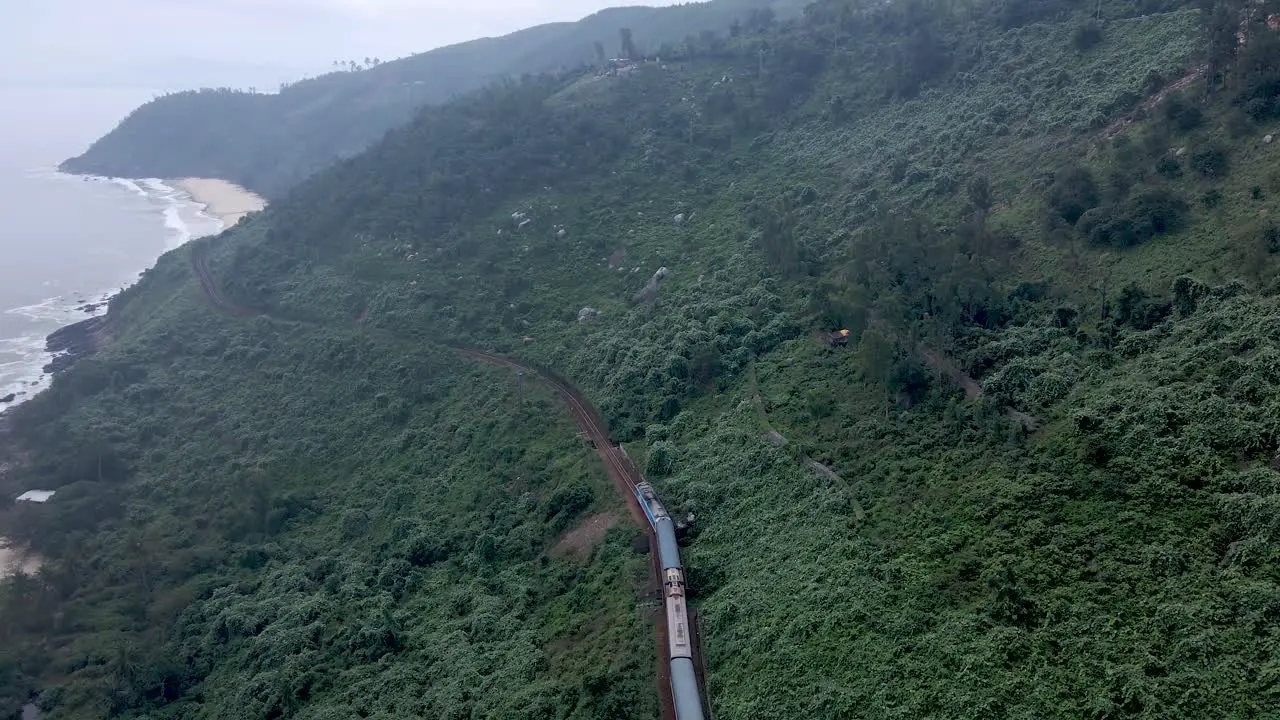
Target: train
(684, 681)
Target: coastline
(226, 201)
(190, 208)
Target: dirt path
(1182, 83)
(588, 534)
(972, 390)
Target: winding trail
(200, 264)
(622, 471)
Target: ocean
(67, 243)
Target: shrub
(1135, 309)
(910, 381)
(1066, 316)
(1181, 114)
(1073, 193)
(1169, 167)
(662, 459)
(1086, 36)
(1138, 219)
(570, 501)
(1210, 161)
(1259, 85)
(1187, 292)
(1152, 83)
(1271, 239)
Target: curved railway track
(626, 478)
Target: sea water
(67, 243)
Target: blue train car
(684, 681)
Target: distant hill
(268, 142)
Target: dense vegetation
(1040, 483)
(270, 142)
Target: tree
(600, 56)
(628, 44)
(661, 460)
(1073, 193)
(980, 197)
(1221, 22)
(1210, 161)
(1086, 35)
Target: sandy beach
(226, 201)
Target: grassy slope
(1119, 562)
(343, 549)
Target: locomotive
(684, 681)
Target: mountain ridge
(269, 142)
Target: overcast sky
(261, 41)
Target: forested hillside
(270, 142)
(1040, 482)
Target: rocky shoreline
(75, 341)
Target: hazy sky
(44, 40)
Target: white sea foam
(183, 217)
(23, 358)
(127, 184)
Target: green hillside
(270, 142)
(1040, 482)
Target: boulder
(649, 293)
(587, 313)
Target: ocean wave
(182, 215)
(23, 356)
(184, 218)
(24, 376)
(127, 184)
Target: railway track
(623, 473)
(200, 264)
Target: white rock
(587, 313)
(1266, 138)
(678, 219)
